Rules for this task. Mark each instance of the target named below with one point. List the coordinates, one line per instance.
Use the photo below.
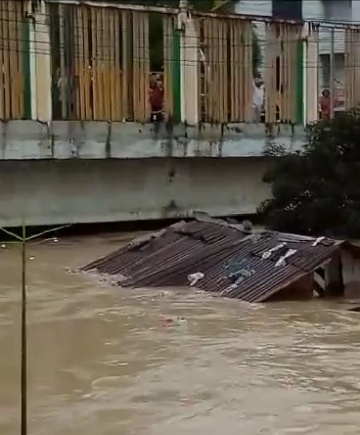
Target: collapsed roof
(217, 257)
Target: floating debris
(173, 321)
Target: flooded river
(102, 361)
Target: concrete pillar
(305, 81)
(40, 65)
(32, 69)
(188, 63)
(190, 82)
(312, 73)
(43, 65)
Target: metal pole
(23, 380)
(219, 4)
(332, 78)
(23, 336)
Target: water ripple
(106, 361)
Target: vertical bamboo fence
(111, 49)
(226, 69)
(104, 68)
(281, 71)
(11, 60)
(102, 65)
(168, 39)
(215, 71)
(241, 71)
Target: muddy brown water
(102, 361)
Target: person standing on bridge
(325, 104)
(156, 98)
(258, 98)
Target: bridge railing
(229, 69)
(101, 61)
(96, 61)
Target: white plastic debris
(318, 240)
(180, 320)
(281, 261)
(3, 246)
(193, 278)
(267, 254)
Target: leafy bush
(317, 191)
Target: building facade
(333, 14)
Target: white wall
(89, 191)
(350, 268)
(330, 11)
(312, 9)
(336, 10)
(351, 275)
(254, 7)
(356, 11)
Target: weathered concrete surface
(33, 140)
(89, 191)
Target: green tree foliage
(317, 191)
(156, 29)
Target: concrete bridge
(89, 172)
(76, 145)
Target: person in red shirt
(325, 104)
(156, 98)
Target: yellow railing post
(141, 66)
(11, 64)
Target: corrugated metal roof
(231, 261)
(264, 282)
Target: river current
(109, 361)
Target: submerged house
(228, 259)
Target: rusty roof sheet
(264, 281)
(233, 263)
